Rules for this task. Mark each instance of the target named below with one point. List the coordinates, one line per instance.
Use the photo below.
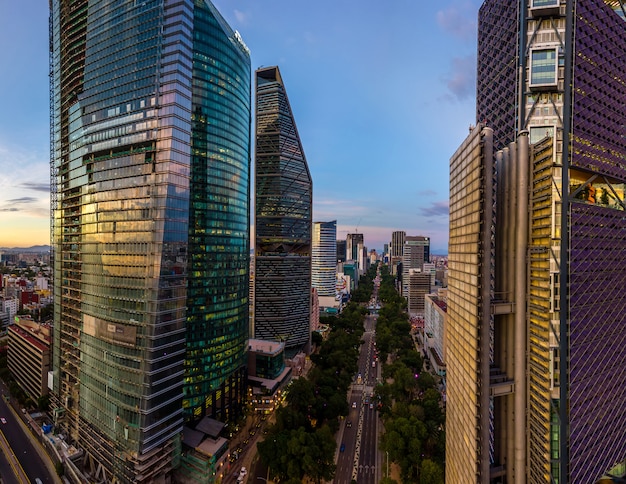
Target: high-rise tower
(545, 320)
(150, 156)
(283, 220)
(324, 258)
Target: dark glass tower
(283, 221)
(554, 72)
(150, 134)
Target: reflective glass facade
(126, 230)
(324, 258)
(283, 220)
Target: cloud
(241, 17)
(12, 209)
(459, 20)
(38, 187)
(22, 200)
(461, 81)
(426, 193)
(436, 209)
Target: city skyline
(362, 100)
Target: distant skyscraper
(283, 221)
(341, 251)
(415, 252)
(150, 112)
(397, 246)
(354, 251)
(535, 378)
(324, 258)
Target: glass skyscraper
(536, 301)
(283, 220)
(324, 258)
(150, 161)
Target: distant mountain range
(34, 248)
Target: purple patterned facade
(496, 82)
(597, 263)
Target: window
(537, 133)
(543, 67)
(544, 3)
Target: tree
(431, 473)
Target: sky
(382, 92)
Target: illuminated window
(544, 3)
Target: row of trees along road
(409, 404)
(301, 442)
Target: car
(371, 406)
(353, 404)
(3, 420)
(38, 481)
(342, 448)
(349, 424)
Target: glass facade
(283, 220)
(124, 225)
(324, 258)
(219, 241)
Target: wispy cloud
(38, 187)
(461, 80)
(22, 200)
(436, 209)
(459, 20)
(11, 209)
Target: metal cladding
(283, 220)
(496, 83)
(557, 70)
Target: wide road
(358, 460)
(27, 460)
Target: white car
(353, 404)
(3, 420)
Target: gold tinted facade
(467, 206)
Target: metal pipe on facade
(509, 260)
(484, 332)
(521, 245)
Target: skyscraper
(324, 258)
(355, 250)
(397, 246)
(415, 251)
(150, 156)
(544, 398)
(283, 220)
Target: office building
(397, 245)
(324, 258)
(415, 252)
(28, 356)
(550, 83)
(418, 285)
(283, 220)
(435, 325)
(341, 251)
(355, 251)
(150, 160)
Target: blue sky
(382, 93)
